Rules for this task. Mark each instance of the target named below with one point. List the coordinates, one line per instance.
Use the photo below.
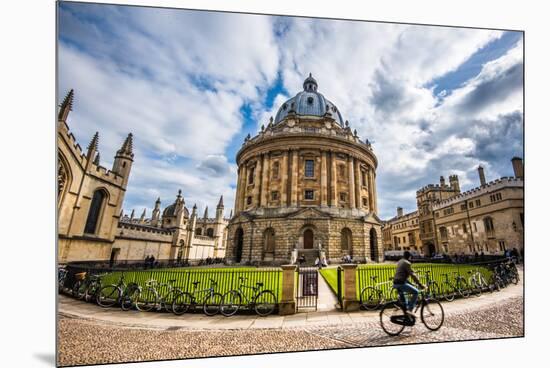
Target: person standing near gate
(400, 282)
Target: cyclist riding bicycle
(400, 282)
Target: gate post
(350, 302)
(287, 304)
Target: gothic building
(488, 218)
(91, 224)
(306, 181)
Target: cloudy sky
(191, 85)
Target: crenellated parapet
(492, 186)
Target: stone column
(323, 178)
(357, 169)
(374, 199)
(257, 182)
(287, 304)
(371, 192)
(349, 302)
(263, 180)
(244, 183)
(239, 191)
(294, 179)
(351, 183)
(284, 179)
(333, 181)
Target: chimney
(481, 173)
(517, 164)
(399, 211)
(442, 181)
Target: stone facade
(488, 218)
(306, 181)
(91, 224)
(402, 232)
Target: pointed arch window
(345, 239)
(95, 212)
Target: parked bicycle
(155, 296)
(263, 302)
(394, 317)
(432, 287)
(110, 295)
(61, 277)
(453, 288)
(86, 285)
(373, 297)
(211, 301)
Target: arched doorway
(431, 250)
(345, 242)
(269, 243)
(308, 239)
(238, 243)
(373, 245)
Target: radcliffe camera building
(92, 225)
(306, 182)
(488, 218)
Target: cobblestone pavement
(90, 342)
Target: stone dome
(309, 102)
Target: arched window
(345, 239)
(63, 178)
(464, 228)
(489, 227)
(210, 232)
(96, 209)
(251, 175)
(269, 240)
(198, 231)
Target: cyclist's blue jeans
(407, 288)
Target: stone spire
(205, 213)
(94, 142)
(155, 218)
(127, 146)
(220, 203)
(66, 106)
(142, 217)
(96, 160)
(92, 149)
(132, 215)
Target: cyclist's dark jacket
(403, 271)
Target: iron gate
(307, 289)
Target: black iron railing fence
(225, 279)
(381, 276)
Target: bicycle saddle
(172, 280)
(260, 284)
(195, 283)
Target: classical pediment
(307, 213)
(372, 218)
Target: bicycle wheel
(435, 290)
(108, 296)
(449, 295)
(91, 291)
(463, 288)
(230, 303)
(475, 288)
(212, 304)
(514, 277)
(129, 298)
(432, 315)
(78, 289)
(147, 299)
(370, 298)
(265, 303)
(388, 311)
(182, 302)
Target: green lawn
(226, 278)
(384, 274)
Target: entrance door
(431, 250)
(238, 245)
(114, 255)
(373, 245)
(308, 239)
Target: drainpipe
(469, 223)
